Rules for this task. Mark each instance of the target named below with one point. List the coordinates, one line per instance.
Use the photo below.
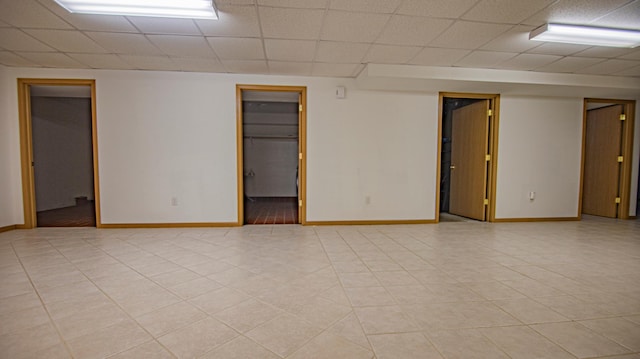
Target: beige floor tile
(533, 288)
(321, 312)
(633, 318)
(143, 298)
(369, 296)
(362, 279)
(210, 267)
(524, 343)
(412, 294)
(24, 319)
(386, 319)
(82, 302)
(330, 346)
(29, 342)
(621, 331)
(579, 340)
(170, 318)
(452, 292)
(350, 329)
(336, 294)
(219, 299)
(108, 341)
(85, 321)
(194, 288)
(147, 350)
(284, 335)
(459, 315)
(465, 344)
(198, 338)
(494, 290)
(353, 266)
(382, 265)
(395, 278)
(67, 292)
(19, 302)
(240, 348)
(529, 311)
(176, 277)
(248, 315)
(403, 345)
(574, 308)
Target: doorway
(468, 143)
(58, 153)
(271, 154)
(607, 146)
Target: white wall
(539, 150)
(10, 189)
(61, 130)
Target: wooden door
(469, 147)
(601, 166)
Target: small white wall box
(341, 92)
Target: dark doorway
(61, 129)
(271, 142)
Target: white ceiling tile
(16, 40)
(388, 54)
(434, 56)
(157, 25)
(514, 40)
(246, 67)
(379, 6)
(237, 21)
(67, 40)
(550, 48)
(142, 62)
(290, 50)
(604, 52)
(30, 14)
(102, 61)
(234, 2)
(608, 67)
(191, 46)
(484, 59)
(569, 64)
(91, 22)
(412, 30)
(52, 59)
(353, 27)
(194, 64)
(575, 11)
(228, 48)
(528, 62)
(290, 23)
(306, 4)
(468, 35)
(451, 9)
(505, 11)
(626, 17)
(341, 52)
(135, 44)
(336, 70)
(10, 59)
(634, 71)
(290, 68)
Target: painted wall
(61, 130)
(371, 156)
(540, 145)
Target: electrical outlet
(532, 196)
(174, 201)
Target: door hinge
(300, 155)
(300, 203)
(486, 202)
(487, 158)
(490, 112)
(617, 199)
(620, 159)
(623, 117)
(300, 108)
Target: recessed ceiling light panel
(586, 35)
(191, 9)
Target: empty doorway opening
(271, 154)
(607, 153)
(468, 133)
(58, 145)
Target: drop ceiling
(335, 38)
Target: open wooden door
(469, 147)
(603, 146)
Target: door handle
(453, 167)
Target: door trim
(302, 145)
(627, 153)
(26, 144)
(493, 148)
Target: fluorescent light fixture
(586, 35)
(191, 9)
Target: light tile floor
(451, 290)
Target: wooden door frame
(302, 145)
(627, 153)
(26, 144)
(493, 148)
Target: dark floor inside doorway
(271, 210)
